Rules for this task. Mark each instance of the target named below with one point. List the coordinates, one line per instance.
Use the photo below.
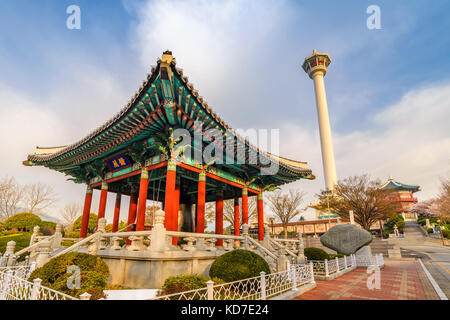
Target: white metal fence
(262, 287)
(327, 267)
(13, 287)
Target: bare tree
(228, 211)
(71, 212)
(38, 196)
(358, 193)
(10, 197)
(286, 206)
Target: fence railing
(262, 287)
(13, 287)
(327, 267)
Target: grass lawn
(22, 240)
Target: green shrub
(91, 225)
(422, 221)
(430, 230)
(185, 282)
(446, 233)
(237, 265)
(385, 234)
(47, 227)
(334, 256)
(22, 241)
(24, 221)
(94, 274)
(316, 254)
(290, 234)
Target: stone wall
(151, 273)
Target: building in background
(402, 197)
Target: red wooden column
(201, 195)
(103, 198)
(236, 216)
(143, 188)
(132, 211)
(86, 212)
(219, 218)
(170, 195)
(260, 217)
(115, 226)
(244, 206)
(176, 209)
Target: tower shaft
(329, 166)
(316, 67)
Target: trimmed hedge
(22, 240)
(93, 271)
(237, 265)
(316, 254)
(91, 225)
(24, 221)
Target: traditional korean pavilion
(402, 196)
(135, 154)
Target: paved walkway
(400, 280)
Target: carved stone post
(35, 234)
(300, 249)
(44, 253)
(101, 228)
(245, 235)
(158, 236)
(266, 241)
(282, 261)
(56, 243)
(10, 246)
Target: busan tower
(316, 67)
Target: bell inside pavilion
(136, 154)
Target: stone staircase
(413, 235)
(381, 246)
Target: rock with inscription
(346, 238)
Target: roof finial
(314, 51)
(167, 57)
(390, 177)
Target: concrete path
(434, 255)
(400, 280)
(437, 262)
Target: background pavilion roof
(139, 114)
(392, 184)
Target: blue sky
(388, 90)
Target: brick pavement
(400, 280)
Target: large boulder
(346, 238)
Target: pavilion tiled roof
(50, 153)
(392, 184)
